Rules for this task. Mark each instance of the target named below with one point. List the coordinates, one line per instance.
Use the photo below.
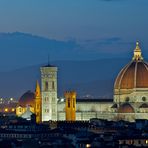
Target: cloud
(105, 46)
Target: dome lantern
(137, 53)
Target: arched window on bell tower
(46, 86)
(69, 102)
(53, 85)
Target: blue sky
(76, 19)
(103, 27)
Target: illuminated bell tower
(38, 103)
(70, 105)
(49, 92)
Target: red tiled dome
(27, 99)
(133, 75)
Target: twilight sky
(95, 29)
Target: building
(130, 100)
(30, 103)
(49, 92)
(8, 106)
(131, 89)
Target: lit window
(13, 109)
(146, 141)
(131, 141)
(6, 109)
(88, 145)
(11, 99)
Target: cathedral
(130, 100)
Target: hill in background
(92, 78)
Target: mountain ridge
(86, 77)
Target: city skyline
(73, 73)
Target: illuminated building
(49, 92)
(130, 97)
(38, 103)
(131, 88)
(30, 103)
(8, 106)
(70, 105)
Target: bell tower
(38, 103)
(49, 92)
(70, 105)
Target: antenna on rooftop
(48, 59)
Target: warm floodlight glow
(13, 109)
(6, 109)
(11, 99)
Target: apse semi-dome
(27, 99)
(134, 74)
(126, 108)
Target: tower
(49, 92)
(70, 105)
(38, 103)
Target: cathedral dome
(125, 108)
(134, 74)
(27, 99)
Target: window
(73, 103)
(46, 99)
(46, 86)
(37, 106)
(127, 99)
(68, 102)
(143, 98)
(46, 110)
(53, 85)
